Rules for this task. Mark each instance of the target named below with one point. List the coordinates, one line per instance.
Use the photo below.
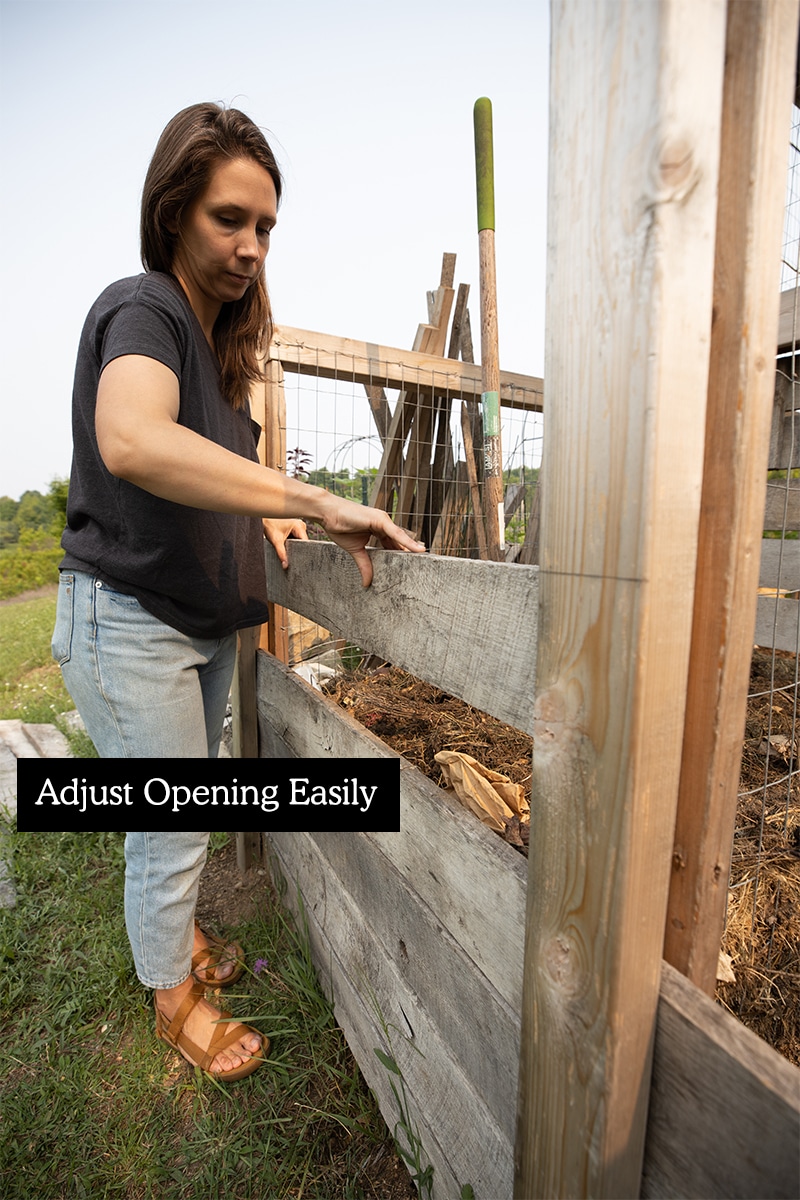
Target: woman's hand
(352, 525)
(277, 532)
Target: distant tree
(9, 529)
(34, 512)
(57, 495)
(8, 508)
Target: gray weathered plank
(780, 564)
(724, 1114)
(476, 875)
(411, 614)
(367, 977)
(778, 623)
(456, 997)
(782, 508)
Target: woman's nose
(248, 246)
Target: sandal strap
(189, 1002)
(218, 952)
(226, 1030)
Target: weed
(410, 1148)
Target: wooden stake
(490, 361)
(759, 80)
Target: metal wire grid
(332, 440)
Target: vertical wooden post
(493, 514)
(268, 409)
(244, 724)
(275, 636)
(759, 84)
(635, 126)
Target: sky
(369, 109)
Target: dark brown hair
(192, 145)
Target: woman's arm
(140, 441)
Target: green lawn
(31, 688)
(94, 1106)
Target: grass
(31, 687)
(93, 1105)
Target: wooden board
(778, 624)
(469, 626)
(760, 54)
(330, 357)
(724, 1112)
(635, 109)
(454, 1057)
(295, 720)
(780, 564)
(784, 442)
(789, 320)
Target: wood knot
(675, 171)
(559, 959)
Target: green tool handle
(484, 162)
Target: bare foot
(200, 1026)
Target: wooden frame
(615, 1049)
(424, 930)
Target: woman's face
(223, 237)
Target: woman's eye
(263, 232)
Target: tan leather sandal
(226, 1032)
(218, 952)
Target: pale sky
(368, 107)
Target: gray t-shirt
(200, 572)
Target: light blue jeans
(143, 689)
(162, 875)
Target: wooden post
(634, 136)
(490, 356)
(275, 636)
(759, 84)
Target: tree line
(36, 519)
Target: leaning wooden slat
(379, 407)
(409, 614)
(443, 458)
(391, 469)
(416, 468)
(759, 80)
(330, 357)
(452, 536)
(635, 128)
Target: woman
(164, 541)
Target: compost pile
(762, 937)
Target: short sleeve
(141, 328)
